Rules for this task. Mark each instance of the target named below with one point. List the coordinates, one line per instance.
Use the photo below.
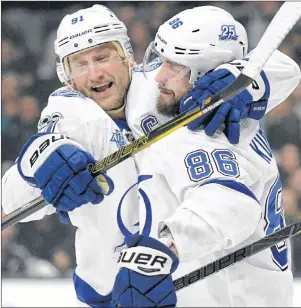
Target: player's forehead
(104, 48)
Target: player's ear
(131, 62)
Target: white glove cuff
(256, 89)
(40, 149)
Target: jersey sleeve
(283, 75)
(80, 118)
(204, 224)
(71, 114)
(278, 79)
(16, 193)
(216, 186)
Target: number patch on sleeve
(200, 164)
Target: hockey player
(206, 197)
(95, 60)
(83, 122)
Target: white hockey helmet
(200, 39)
(88, 28)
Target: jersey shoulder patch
(67, 92)
(138, 68)
(150, 67)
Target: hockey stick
(238, 255)
(281, 24)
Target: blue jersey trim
(122, 125)
(86, 294)
(267, 92)
(148, 206)
(233, 185)
(120, 223)
(67, 92)
(157, 62)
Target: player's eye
(102, 58)
(176, 67)
(80, 65)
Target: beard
(169, 107)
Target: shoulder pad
(67, 92)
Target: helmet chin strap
(122, 55)
(131, 63)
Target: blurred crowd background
(45, 248)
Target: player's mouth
(165, 90)
(102, 88)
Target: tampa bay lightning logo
(228, 33)
(148, 209)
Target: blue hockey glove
(250, 103)
(59, 167)
(144, 278)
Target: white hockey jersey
(215, 197)
(98, 236)
(101, 228)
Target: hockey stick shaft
(281, 24)
(238, 255)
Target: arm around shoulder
(284, 75)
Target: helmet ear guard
(201, 39)
(60, 69)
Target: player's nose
(95, 72)
(162, 76)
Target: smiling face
(101, 74)
(173, 83)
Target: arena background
(38, 257)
